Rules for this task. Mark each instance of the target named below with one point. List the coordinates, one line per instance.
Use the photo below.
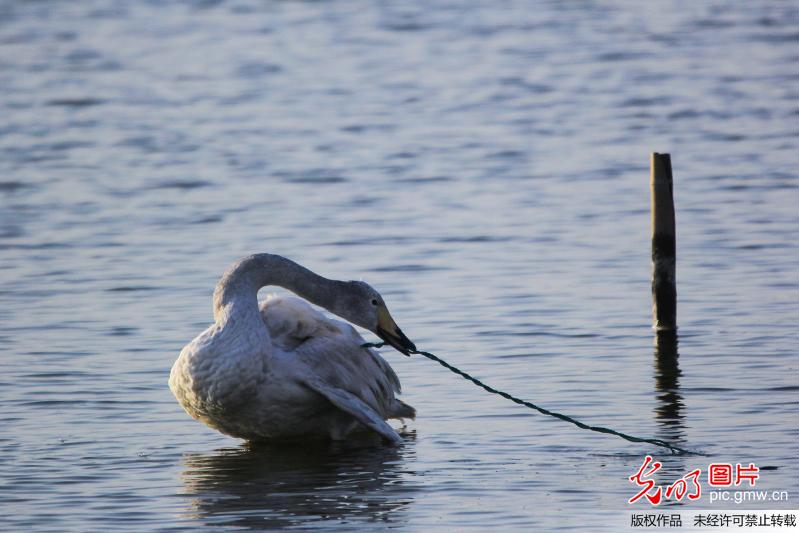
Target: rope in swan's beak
(675, 450)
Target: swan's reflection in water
(266, 486)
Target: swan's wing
(340, 360)
(356, 380)
(326, 356)
(332, 348)
(349, 403)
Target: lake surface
(485, 166)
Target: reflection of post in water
(669, 408)
(667, 381)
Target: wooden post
(664, 248)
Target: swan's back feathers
(329, 351)
(292, 321)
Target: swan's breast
(218, 373)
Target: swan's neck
(237, 292)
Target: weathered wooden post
(664, 248)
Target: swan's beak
(388, 330)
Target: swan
(283, 370)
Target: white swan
(285, 370)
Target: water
(486, 167)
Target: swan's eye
(374, 302)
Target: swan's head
(363, 306)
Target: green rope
(675, 450)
